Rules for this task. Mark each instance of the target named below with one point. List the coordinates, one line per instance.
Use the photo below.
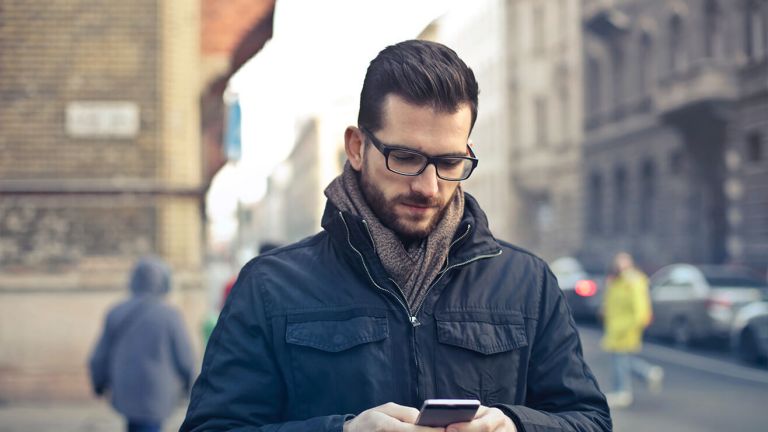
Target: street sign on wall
(100, 119)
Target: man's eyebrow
(402, 147)
(454, 154)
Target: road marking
(698, 362)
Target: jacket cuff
(343, 419)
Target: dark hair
(422, 73)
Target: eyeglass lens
(409, 163)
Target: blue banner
(232, 143)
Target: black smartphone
(442, 412)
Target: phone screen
(442, 412)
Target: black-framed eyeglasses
(410, 162)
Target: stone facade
(100, 162)
(525, 55)
(675, 107)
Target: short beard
(385, 210)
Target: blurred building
(525, 55)
(676, 126)
(232, 31)
(294, 204)
(101, 161)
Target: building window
(645, 68)
(620, 201)
(755, 147)
(539, 29)
(563, 21)
(647, 195)
(675, 43)
(594, 81)
(676, 163)
(541, 121)
(755, 30)
(595, 210)
(711, 29)
(618, 77)
(565, 114)
(565, 105)
(544, 218)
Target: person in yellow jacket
(626, 313)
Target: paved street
(70, 417)
(702, 392)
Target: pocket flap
(335, 336)
(482, 337)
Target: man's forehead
(410, 125)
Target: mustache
(418, 200)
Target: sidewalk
(96, 416)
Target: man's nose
(426, 182)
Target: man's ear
(353, 145)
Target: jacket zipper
(444, 271)
(362, 260)
(411, 316)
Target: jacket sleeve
(240, 387)
(98, 364)
(183, 355)
(562, 393)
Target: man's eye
(403, 157)
(450, 163)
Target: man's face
(412, 206)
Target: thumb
(400, 412)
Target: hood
(150, 276)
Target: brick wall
(77, 210)
(53, 53)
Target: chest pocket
(337, 336)
(482, 337)
(481, 355)
(333, 352)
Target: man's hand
(486, 420)
(389, 417)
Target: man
(626, 314)
(144, 358)
(404, 296)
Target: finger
(476, 422)
(486, 419)
(424, 429)
(400, 412)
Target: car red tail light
(586, 288)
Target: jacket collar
(473, 237)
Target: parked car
(697, 302)
(749, 332)
(583, 290)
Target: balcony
(754, 78)
(604, 19)
(702, 91)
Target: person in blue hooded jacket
(144, 357)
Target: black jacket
(316, 332)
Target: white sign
(116, 119)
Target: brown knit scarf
(413, 268)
